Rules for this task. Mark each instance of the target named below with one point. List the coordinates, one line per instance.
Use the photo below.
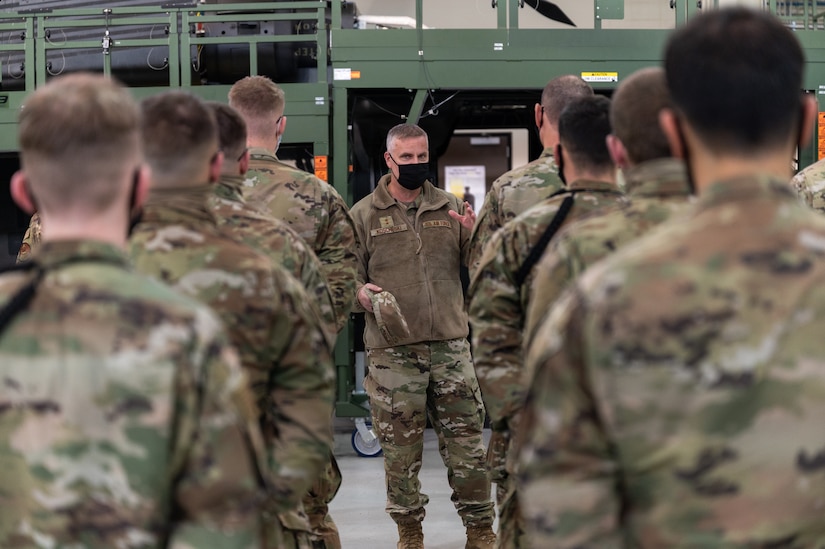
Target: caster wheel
(365, 448)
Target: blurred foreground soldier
(500, 287)
(285, 248)
(31, 240)
(678, 395)
(125, 416)
(414, 239)
(809, 185)
(312, 207)
(266, 310)
(522, 188)
(655, 182)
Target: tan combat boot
(410, 534)
(480, 537)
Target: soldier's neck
(400, 193)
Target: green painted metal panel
(609, 9)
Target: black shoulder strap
(549, 232)
(24, 295)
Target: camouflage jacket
(124, 414)
(316, 211)
(498, 302)
(511, 195)
(416, 255)
(809, 185)
(656, 189)
(678, 392)
(31, 240)
(266, 312)
(272, 237)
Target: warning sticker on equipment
(600, 76)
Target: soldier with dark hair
(655, 182)
(499, 288)
(677, 392)
(520, 189)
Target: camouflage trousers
(316, 504)
(408, 383)
(501, 463)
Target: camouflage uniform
(497, 306)
(285, 248)
(415, 253)
(274, 238)
(510, 195)
(678, 392)
(657, 189)
(809, 185)
(316, 211)
(124, 416)
(270, 322)
(31, 240)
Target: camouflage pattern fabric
(405, 385)
(269, 320)
(124, 415)
(31, 240)
(285, 248)
(272, 237)
(657, 190)
(809, 185)
(324, 532)
(497, 307)
(678, 392)
(316, 211)
(510, 195)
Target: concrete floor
(358, 509)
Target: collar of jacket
(660, 177)
(230, 187)
(260, 152)
(180, 204)
(53, 254)
(547, 153)
(590, 185)
(431, 198)
(750, 187)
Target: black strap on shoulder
(24, 295)
(549, 232)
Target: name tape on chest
(389, 230)
(439, 223)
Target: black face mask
(686, 156)
(559, 158)
(412, 176)
(135, 214)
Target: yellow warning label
(600, 76)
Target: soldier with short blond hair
(125, 415)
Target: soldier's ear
(669, 122)
(21, 193)
(215, 167)
(243, 163)
(141, 182)
(617, 151)
(809, 114)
